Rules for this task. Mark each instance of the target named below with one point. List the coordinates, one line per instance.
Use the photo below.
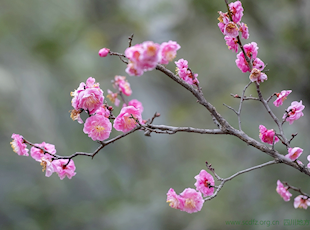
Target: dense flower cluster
(191, 200)
(230, 25)
(185, 73)
(144, 57)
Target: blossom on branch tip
(301, 202)
(283, 191)
(257, 75)
(232, 43)
(168, 51)
(98, 127)
(127, 119)
(294, 112)
(236, 10)
(63, 169)
(267, 136)
(38, 154)
(18, 145)
(281, 97)
(87, 96)
(175, 201)
(103, 52)
(294, 153)
(204, 183)
(193, 200)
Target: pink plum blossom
(181, 64)
(18, 145)
(113, 97)
(257, 76)
(281, 97)
(76, 115)
(308, 158)
(267, 136)
(236, 10)
(104, 111)
(124, 121)
(103, 52)
(204, 183)
(185, 73)
(168, 51)
(258, 64)
(133, 69)
(301, 202)
(87, 96)
(243, 28)
(283, 191)
(142, 57)
(135, 103)
(123, 85)
(193, 200)
(63, 169)
(47, 166)
(98, 127)
(223, 20)
(294, 112)
(232, 43)
(38, 154)
(175, 201)
(251, 51)
(294, 153)
(149, 57)
(231, 30)
(242, 63)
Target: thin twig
(130, 40)
(296, 189)
(240, 104)
(224, 180)
(231, 108)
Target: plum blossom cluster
(191, 200)
(247, 61)
(301, 201)
(293, 112)
(186, 73)
(45, 154)
(230, 25)
(145, 56)
(89, 98)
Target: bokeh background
(49, 46)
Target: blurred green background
(49, 46)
